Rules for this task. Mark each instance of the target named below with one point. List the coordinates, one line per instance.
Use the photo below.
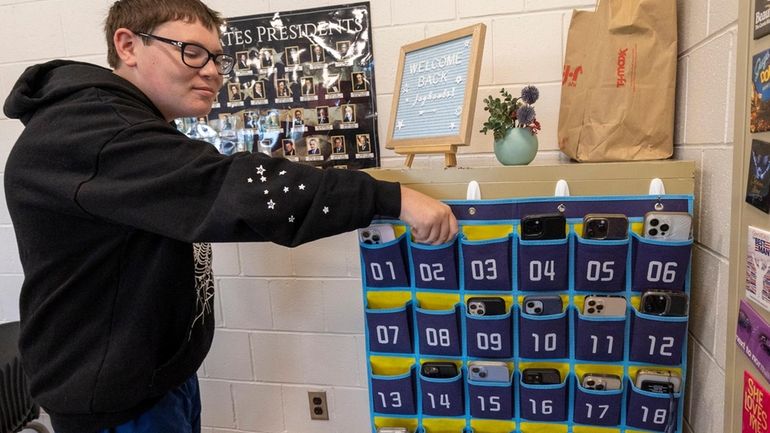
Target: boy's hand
(432, 222)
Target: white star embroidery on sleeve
(302, 186)
(285, 189)
(250, 180)
(282, 172)
(271, 204)
(326, 209)
(260, 170)
(267, 192)
(263, 179)
(291, 219)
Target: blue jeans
(179, 411)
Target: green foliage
(502, 114)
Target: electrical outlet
(318, 408)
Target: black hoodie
(111, 206)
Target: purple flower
(525, 115)
(530, 94)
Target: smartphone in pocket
(543, 305)
(544, 226)
(376, 234)
(668, 226)
(439, 370)
(488, 371)
(486, 306)
(664, 303)
(601, 382)
(605, 226)
(541, 376)
(658, 381)
(603, 305)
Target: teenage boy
(114, 208)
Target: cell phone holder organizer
(489, 258)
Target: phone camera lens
(475, 369)
(590, 384)
(599, 307)
(530, 305)
(591, 311)
(368, 242)
(483, 374)
(664, 227)
(654, 222)
(653, 232)
(538, 310)
(599, 387)
(591, 303)
(376, 238)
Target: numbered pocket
(489, 336)
(394, 395)
(442, 397)
(543, 265)
(439, 331)
(435, 267)
(385, 264)
(600, 265)
(599, 408)
(656, 339)
(390, 330)
(544, 402)
(487, 264)
(659, 264)
(652, 411)
(489, 400)
(599, 338)
(544, 337)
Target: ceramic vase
(517, 147)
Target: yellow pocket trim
(385, 300)
(527, 427)
(492, 426)
(590, 429)
(437, 301)
(399, 230)
(390, 365)
(637, 228)
(409, 423)
(443, 425)
(487, 232)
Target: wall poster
(759, 120)
(302, 88)
(761, 18)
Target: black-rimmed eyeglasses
(195, 56)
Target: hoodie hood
(47, 83)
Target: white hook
(474, 192)
(562, 189)
(657, 187)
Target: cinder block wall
(290, 321)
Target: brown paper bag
(619, 82)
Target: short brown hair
(146, 15)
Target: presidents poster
(302, 88)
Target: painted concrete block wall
(291, 320)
